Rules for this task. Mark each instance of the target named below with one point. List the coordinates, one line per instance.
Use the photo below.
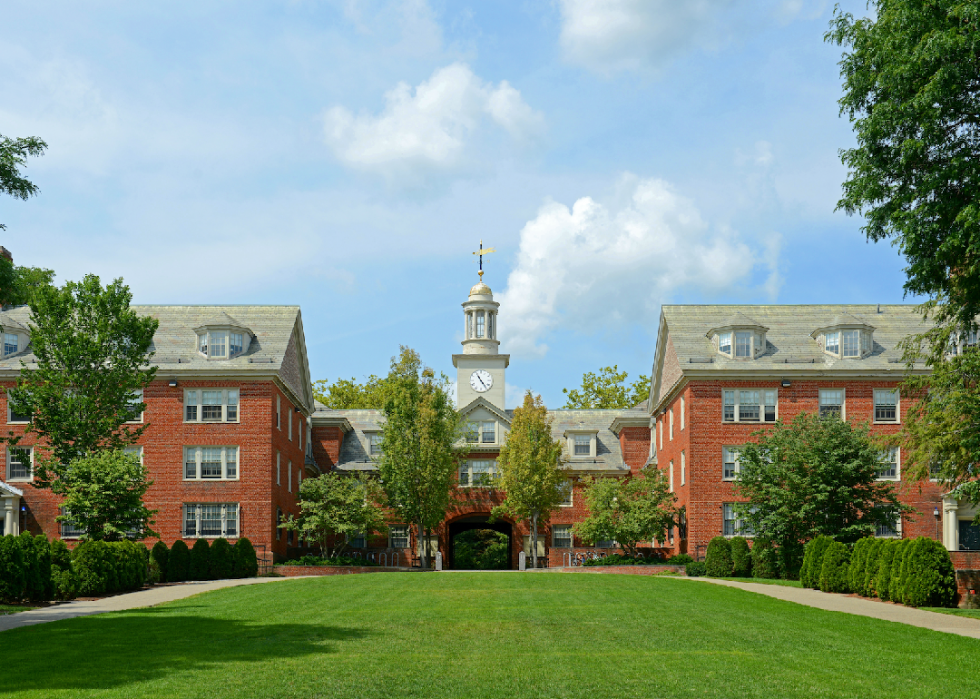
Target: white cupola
(480, 321)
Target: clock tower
(480, 369)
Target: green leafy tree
(92, 354)
(607, 390)
(419, 452)
(531, 466)
(910, 76)
(21, 285)
(335, 508)
(628, 510)
(13, 155)
(811, 477)
(348, 394)
(481, 549)
(103, 493)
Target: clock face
(481, 380)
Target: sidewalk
(946, 623)
(130, 600)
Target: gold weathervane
(481, 252)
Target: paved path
(130, 600)
(947, 623)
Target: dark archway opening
(481, 538)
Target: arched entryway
(479, 522)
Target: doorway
(482, 546)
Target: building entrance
(486, 543)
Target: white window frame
(70, 530)
(887, 455)
(671, 431)
(568, 489)
(373, 443)
(30, 470)
(10, 415)
(683, 468)
(660, 429)
(197, 534)
(137, 398)
(898, 406)
(483, 432)
(16, 344)
(670, 477)
(843, 401)
(399, 536)
(682, 412)
(582, 444)
(896, 531)
(468, 469)
(561, 533)
(761, 405)
(194, 398)
(725, 340)
(198, 460)
(725, 453)
(738, 524)
(570, 436)
(278, 412)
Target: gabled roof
(7, 489)
(481, 402)
(222, 319)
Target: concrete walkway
(131, 600)
(947, 623)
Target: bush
(764, 559)
(872, 559)
(930, 580)
(38, 558)
(104, 567)
(222, 559)
(681, 559)
(246, 562)
(64, 585)
(200, 568)
(884, 575)
(178, 562)
(813, 561)
(159, 555)
(60, 554)
(695, 569)
(835, 570)
(896, 586)
(855, 572)
(718, 559)
(741, 558)
(153, 576)
(13, 570)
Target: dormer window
(725, 343)
(223, 338)
(581, 443)
(739, 337)
(847, 338)
(10, 343)
(743, 344)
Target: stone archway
(481, 521)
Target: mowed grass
(972, 613)
(494, 635)
(12, 609)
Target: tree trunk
(534, 540)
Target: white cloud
(429, 126)
(595, 267)
(612, 35)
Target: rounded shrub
(39, 573)
(835, 569)
(930, 580)
(741, 558)
(222, 559)
(178, 562)
(681, 559)
(859, 557)
(764, 559)
(13, 571)
(884, 576)
(60, 554)
(94, 567)
(718, 559)
(695, 569)
(813, 561)
(200, 568)
(872, 557)
(246, 561)
(159, 555)
(896, 586)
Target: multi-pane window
(70, 529)
(682, 412)
(490, 329)
(398, 536)
(660, 426)
(480, 323)
(566, 490)
(886, 406)
(210, 463)
(743, 344)
(211, 405)
(20, 462)
(583, 445)
(749, 406)
(236, 343)
(489, 432)
(683, 468)
(472, 432)
(889, 465)
(14, 416)
(732, 524)
(831, 402)
(670, 477)
(289, 424)
(605, 543)
(561, 536)
(9, 344)
(135, 399)
(889, 529)
(671, 423)
(211, 520)
(729, 457)
(374, 443)
(832, 343)
(477, 473)
(725, 343)
(358, 542)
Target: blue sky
(348, 156)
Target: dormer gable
(845, 337)
(15, 336)
(222, 337)
(739, 337)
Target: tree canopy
(607, 390)
(531, 465)
(13, 155)
(911, 75)
(21, 285)
(349, 394)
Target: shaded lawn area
(13, 609)
(767, 581)
(489, 635)
(973, 613)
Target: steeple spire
(481, 252)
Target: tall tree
(349, 394)
(419, 451)
(628, 510)
(813, 476)
(21, 285)
(532, 473)
(13, 155)
(335, 508)
(92, 354)
(911, 76)
(607, 390)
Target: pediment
(482, 404)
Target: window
(134, 402)
(480, 323)
(289, 476)
(605, 543)
(13, 416)
(472, 433)
(729, 458)
(211, 520)
(749, 406)
(851, 342)
(374, 443)
(672, 424)
(583, 445)
(567, 492)
(889, 465)
(670, 477)
(561, 536)
(733, 525)
(398, 536)
(69, 528)
(886, 406)
(278, 413)
(490, 329)
(682, 412)
(289, 422)
(743, 344)
(891, 529)
(725, 343)
(831, 402)
(9, 344)
(358, 542)
(278, 521)
(660, 424)
(278, 468)
(489, 432)
(211, 405)
(478, 473)
(235, 344)
(832, 343)
(20, 464)
(683, 468)
(469, 325)
(210, 463)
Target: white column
(11, 506)
(950, 524)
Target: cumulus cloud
(428, 126)
(592, 266)
(611, 35)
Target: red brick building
(229, 434)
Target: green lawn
(12, 609)
(974, 613)
(767, 581)
(502, 635)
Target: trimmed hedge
(871, 567)
(813, 561)
(695, 569)
(884, 575)
(859, 559)
(222, 560)
(928, 577)
(681, 559)
(200, 567)
(105, 567)
(741, 558)
(835, 570)
(159, 554)
(764, 563)
(718, 559)
(246, 560)
(25, 568)
(64, 583)
(178, 562)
